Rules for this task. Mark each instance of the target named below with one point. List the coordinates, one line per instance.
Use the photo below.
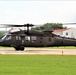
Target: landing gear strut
(18, 48)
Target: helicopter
(33, 38)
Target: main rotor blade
(13, 25)
(27, 25)
(68, 23)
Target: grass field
(37, 65)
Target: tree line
(49, 26)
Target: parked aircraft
(32, 38)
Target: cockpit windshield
(3, 32)
(6, 31)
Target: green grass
(37, 65)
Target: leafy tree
(49, 26)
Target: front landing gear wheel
(22, 48)
(19, 48)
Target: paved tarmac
(41, 52)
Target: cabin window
(19, 38)
(27, 38)
(16, 37)
(33, 38)
(8, 38)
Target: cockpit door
(16, 40)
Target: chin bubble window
(33, 39)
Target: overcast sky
(37, 12)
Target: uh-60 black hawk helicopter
(33, 38)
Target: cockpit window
(8, 37)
